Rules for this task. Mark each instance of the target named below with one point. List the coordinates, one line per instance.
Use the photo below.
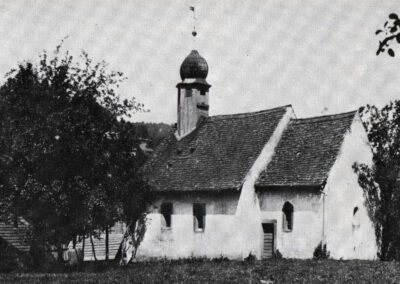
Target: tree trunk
(107, 250)
(83, 248)
(93, 250)
(60, 253)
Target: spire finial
(194, 33)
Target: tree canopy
(68, 158)
(391, 32)
(381, 181)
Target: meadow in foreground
(222, 271)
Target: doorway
(268, 240)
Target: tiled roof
(215, 156)
(307, 151)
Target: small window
(356, 219)
(287, 211)
(188, 92)
(222, 208)
(166, 212)
(199, 216)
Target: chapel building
(256, 183)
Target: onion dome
(194, 67)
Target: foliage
(380, 181)
(250, 258)
(391, 31)
(321, 252)
(134, 215)
(221, 258)
(180, 271)
(11, 259)
(277, 255)
(134, 236)
(156, 132)
(68, 159)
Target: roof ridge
(325, 117)
(247, 114)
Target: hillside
(156, 132)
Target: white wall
(343, 193)
(220, 237)
(235, 234)
(248, 212)
(233, 224)
(307, 219)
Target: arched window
(166, 212)
(356, 219)
(199, 216)
(287, 211)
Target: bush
(321, 252)
(11, 259)
(277, 255)
(221, 258)
(251, 258)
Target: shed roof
(307, 151)
(215, 156)
(15, 236)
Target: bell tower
(192, 93)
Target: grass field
(201, 271)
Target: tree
(391, 30)
(381, 181)
(68, 158)
(156, 132)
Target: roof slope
(307, 151)
(215, 156)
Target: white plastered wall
(238, 232)
(220, 237)
(306, 233)
(343, 194)
(234, 235)
(248, 213)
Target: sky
(318, 56)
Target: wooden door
(268, 240)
